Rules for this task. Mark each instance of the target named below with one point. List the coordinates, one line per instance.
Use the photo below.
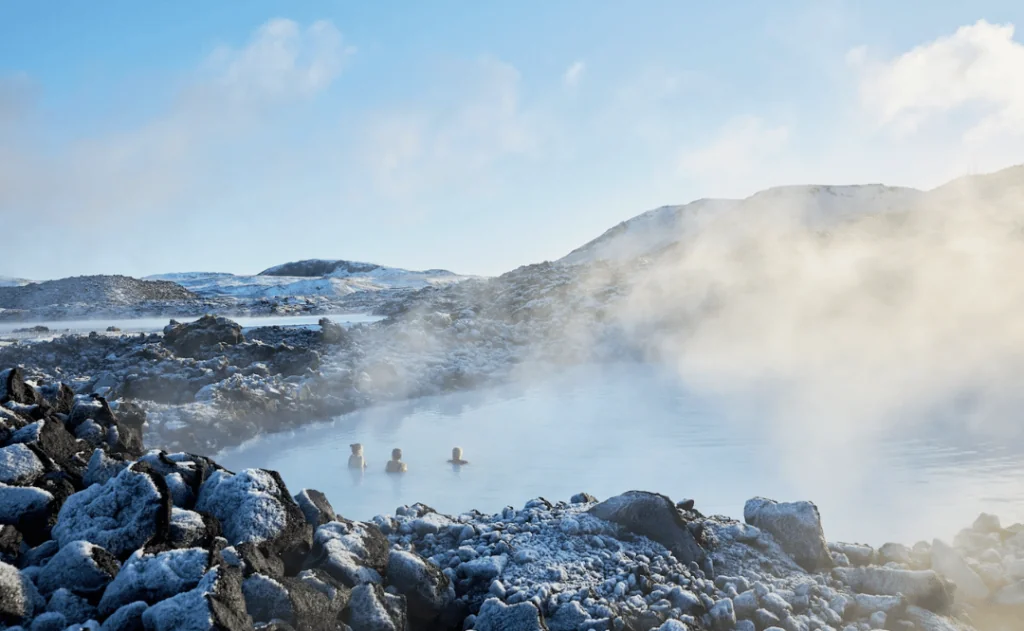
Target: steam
(845, 334)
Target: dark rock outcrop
(654, 516)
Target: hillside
(105, 290)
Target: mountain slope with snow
(7, 281)
(817, 207)
(339, 278)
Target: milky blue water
(152, 325)
(609, 429)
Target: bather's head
(357, 449)
(456, 453)
(396, 454)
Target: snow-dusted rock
(266, 599)
(315, 507)
(924, 588)
(253, 506)
(127, 618)
(655, 517)
(795, 525)
(948, 562)
(191, 337)
(497, 616)
(373, 609)
(215, 603)
(85, 568)
(153, 577)
(18, 465)
(427, 590)
(122, 515)
(50, 621)
(987, 523)
(24, 506)
(189, 529)
(569, 616)
(19, 598)
(723, 616)
(74, 608)
(351, 552)
(925, 620)
(485, 568)
(102, 467)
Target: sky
(145, 138)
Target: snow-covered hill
(7, 281)
(339, 278)
(813, 206)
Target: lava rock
(373, 609)
(797, 528)
(497, 616)
(254, 506)
(653, 516)
(315, 507)
(129, 511)
(351, 552)
(19, 599)
(427, 591)
(923, 588)
(151, 578)
(190, 338)
(19, 465)
(216, 603)
(127, 618)
(84, 567)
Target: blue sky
(143, 138)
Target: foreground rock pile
(98, 533)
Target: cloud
(574, 74)
(976, 69)
(147, 168)
(478, 122)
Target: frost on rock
(253, 506)
(189, 528)
(127, 618)
(102, 468)
(351, 552)
(373, 609)
(18, 465)
(497, 616)
(797, 528)
(266, 599)
(923, 588)
(74, 608)
(153, 577)
(315, 507)
(655, 517)
(21, 505)
(86, 568)
(122, 515)
(216, 603)
(19, 599)
(427, 590)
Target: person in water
(457, 457)
(356, 460)
(395, 465)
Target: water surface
(152, 325)
(609, 429)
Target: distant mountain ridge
(109, 290)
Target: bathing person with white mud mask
(395, 465)
(457, 457)
(356, 460)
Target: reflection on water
(610, 429)
(151, 325)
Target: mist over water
(612, 428)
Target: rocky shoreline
(96, 532)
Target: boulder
(10, 544)
(315, 507)
(653, 516)
(127, 618)
(332, 332)
(352, 552)
(74, 608)
(497, 616)
(925, 620)
(151, 578)
(14, 389)
(86, 569)
(948, 562)
(131, 510)
(19, 465)
(302, 604)
(189, 529)
(923, 588)
(215, 603)
(102, 467)
(253, 506)
(190, 338)
(26, 507)
(428, 592)
(19, 599)
(373, 609)
(797, 528)
(51, 437)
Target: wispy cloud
(574, 74)
(141, 169)
(977, 66)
